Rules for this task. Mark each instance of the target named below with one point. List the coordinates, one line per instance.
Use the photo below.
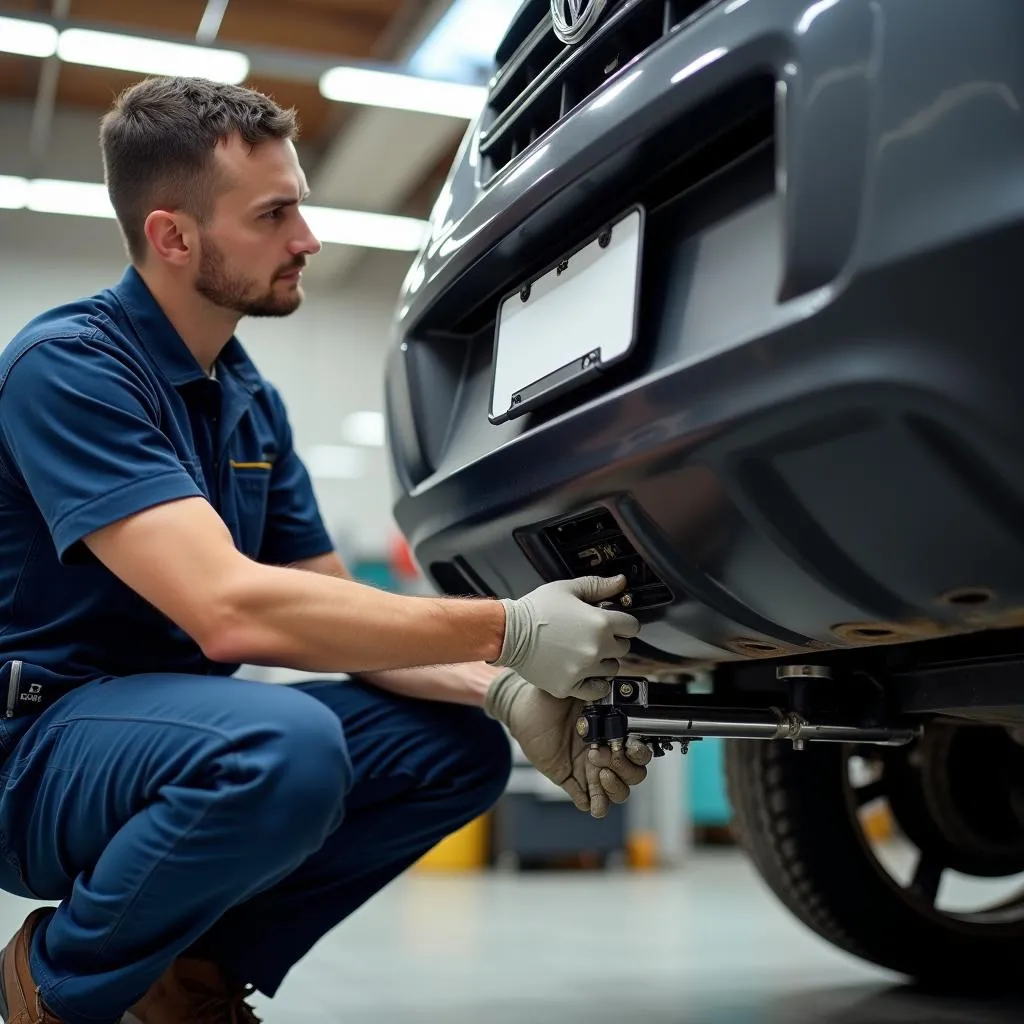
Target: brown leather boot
(20, 1002)
(192, 991)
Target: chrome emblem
(573, 19)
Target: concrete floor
(706, 945)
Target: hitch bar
(625, 712)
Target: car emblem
(573, 19)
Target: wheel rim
(956, 803)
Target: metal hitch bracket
(629, 710)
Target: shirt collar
(165, 346)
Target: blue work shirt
(104, 412)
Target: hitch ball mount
(629, 710)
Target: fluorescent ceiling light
(76, 198)
(461, 46)
(343, 227)
(44, 195)
(334, 462)
(13, 192)
(27, 38)
(402, 92)
(365, 429)
(373, 230)
(150, 56)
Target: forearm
(323, 623)
(454, 684)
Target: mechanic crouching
(157, 531)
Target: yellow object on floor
(465, 850)
(878, 823)
(642, 851)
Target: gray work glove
(558, 640)
(545, 729)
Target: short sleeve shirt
(105, 412)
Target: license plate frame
(544, 331)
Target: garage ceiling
(298, 38)
(338, 29)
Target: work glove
(545, 729)
(557, 639)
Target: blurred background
(530, 878)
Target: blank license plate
(570, 323)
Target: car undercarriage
(935, 729)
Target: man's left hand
(545, 728)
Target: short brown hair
(158, 142)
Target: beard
(229, 290)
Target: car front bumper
(819, 441)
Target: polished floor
(704, 945)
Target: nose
(305, 242)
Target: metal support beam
(209, 24)
(46, 101)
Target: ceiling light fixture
(73, 198)
(13, 192)
(150, 56)
(370, 230)
(402, 92)
(27, 38)
(330, 225)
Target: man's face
(256, 243)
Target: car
(724, 296)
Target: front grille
(539, 80)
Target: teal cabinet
(709, 805)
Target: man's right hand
(558, 640)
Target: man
(158, 531)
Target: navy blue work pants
(231, 820)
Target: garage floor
(706, 945)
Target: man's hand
(558, 640)
(545, 729)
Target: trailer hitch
(660, 714)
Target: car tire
(795, 816)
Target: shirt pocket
(250, 483)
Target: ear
(171, 236)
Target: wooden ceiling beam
(320, 29)
(337, 29)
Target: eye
(274, 214)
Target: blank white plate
(577, 318)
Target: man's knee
(295, 764)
